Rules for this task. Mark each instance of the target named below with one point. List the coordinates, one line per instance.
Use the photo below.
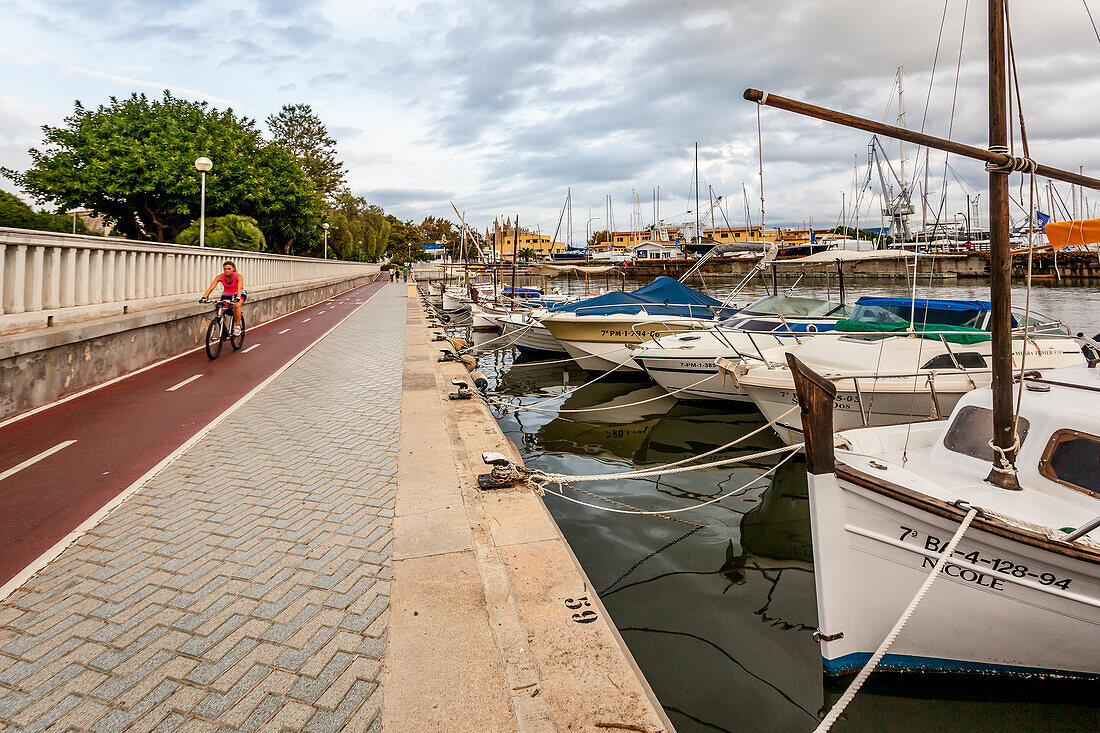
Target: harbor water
(719, 608)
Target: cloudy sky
(500, 105)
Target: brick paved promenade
(247, 585)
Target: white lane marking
(283, 331)
(307, 320)
(41, 408)
(54, 552)
(184, 383)
(35, 459)
(250, 348)
(320, 312)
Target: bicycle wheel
(238, 341)
(214, 338)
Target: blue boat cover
(662, 297)
(524, 292)
(927, 303)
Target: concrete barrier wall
(38, 367)
(49, 279)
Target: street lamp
(203, 165)
(325, 227)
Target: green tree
(526, 254)
(597, 237)
(228, 232)
(14, 212)
(299, 130)
(132, 161)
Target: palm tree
(527, 254)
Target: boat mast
(515, 255)
(1000, 262)
(697, 237)
(901, 123)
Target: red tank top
(230, 284)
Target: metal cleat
(464, 392)
(503, 476)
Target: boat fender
(479, 380)
(457, 344)
(469, 362)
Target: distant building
(503, 239)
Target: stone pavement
(246, 586)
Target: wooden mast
(1000, 263)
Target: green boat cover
(953, 334)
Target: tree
(358, 230)
(227, 232)
(526, 254)
(132, 161)
(597, 237)
(297, 129)
(15, 213)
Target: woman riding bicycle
(232, 290)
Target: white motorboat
(883, 379)
(526, 333)
(600, 333)
(1021, 594)
(684, 363)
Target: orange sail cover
(1070, 233)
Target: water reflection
(720, 617)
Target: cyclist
(232, 290)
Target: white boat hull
(455, 304)
(691, 378)
(601, 356)
(880, 408)
(1001, 605)
(530, 337)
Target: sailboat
(994, 508)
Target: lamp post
(325, 227)
(203, 165)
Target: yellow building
(502, 240)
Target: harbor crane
(897, 208)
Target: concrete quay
(320, 559)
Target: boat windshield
(786, 305)
(902, 312)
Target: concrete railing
(48, 279)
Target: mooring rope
(850, 693)
(663, 514)
(538, 478)
(537, 406)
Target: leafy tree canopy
(231, 231)
(300, 131)
(14, 212)
(600, 236)
(133, 162)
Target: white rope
(715, 500)
(535, 406)
(597, 409)
(541, 478)
(864, 673)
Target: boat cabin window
(966, 359)
(1072, 458)
(755, 324)
(972, 431)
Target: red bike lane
(97, 444)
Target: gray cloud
(506, 104)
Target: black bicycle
(221, 328)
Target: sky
(500, 106)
